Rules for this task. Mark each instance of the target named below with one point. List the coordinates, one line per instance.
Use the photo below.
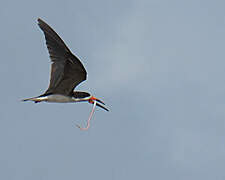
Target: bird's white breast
(58, 98)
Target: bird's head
(84, 96)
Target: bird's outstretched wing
(66, 71)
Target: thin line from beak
(89, 119)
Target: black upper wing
(66, 71)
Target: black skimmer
(67, 72)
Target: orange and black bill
(92, 99)
(99, 105)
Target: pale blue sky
(158, 65)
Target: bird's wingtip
(40, 21)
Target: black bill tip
(99, 105)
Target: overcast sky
(158, 65)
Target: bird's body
(57, 98)
(77, 96)
(67, 72)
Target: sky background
(158, 65)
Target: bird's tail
(35, 99)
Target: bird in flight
(67, 72)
